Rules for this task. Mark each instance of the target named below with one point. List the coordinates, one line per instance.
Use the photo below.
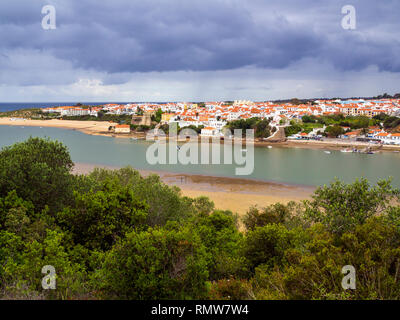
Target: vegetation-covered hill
(117, 235)
(22, 113)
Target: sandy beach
(234, 194)
(88, 127)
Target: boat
(269, 147)
(133, 138)
(346, 150)
(327, 152)
(368, 151)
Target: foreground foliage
(118, 235)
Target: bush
(341, 207)
(293, 129)
(39, 171)
(314, 272)
(155, 264)
(260, 126)
(98, 219)
(165, 202)
(276, 213)
(222, 240)
(266, 245)
(231, 289)
(334, 131)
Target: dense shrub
(118, 235)
(39, 171)
(155, 264)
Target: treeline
(355, 122)
(389, 122)
(387, 96)
(336, 123)
(261, 127)
(118, 235)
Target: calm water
(293, 166)
(11, 106)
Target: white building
(75, 112)
(210, 132)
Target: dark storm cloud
(171, 35)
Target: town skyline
(385, 95)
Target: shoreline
(329, 145)
(95, 128)
(227, 193)
(100, 128)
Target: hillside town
(212, 117)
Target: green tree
(100, 114)
(341, 207)
(266, 245)
(260, 126)
(14, 211)
(39, 170)
(157, 116)
(222, 240)
(391, 122)
(165, 202)
(292, 129)
(288, 215)
(262, 129)
(22, 272)
(334, 131)
(155, 264)
(361, 122)
(308, 119)
(313, 271)
(97, 219)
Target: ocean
(10, 106)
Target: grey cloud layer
(141, 36)
(159, 50)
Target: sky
(197, 50)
